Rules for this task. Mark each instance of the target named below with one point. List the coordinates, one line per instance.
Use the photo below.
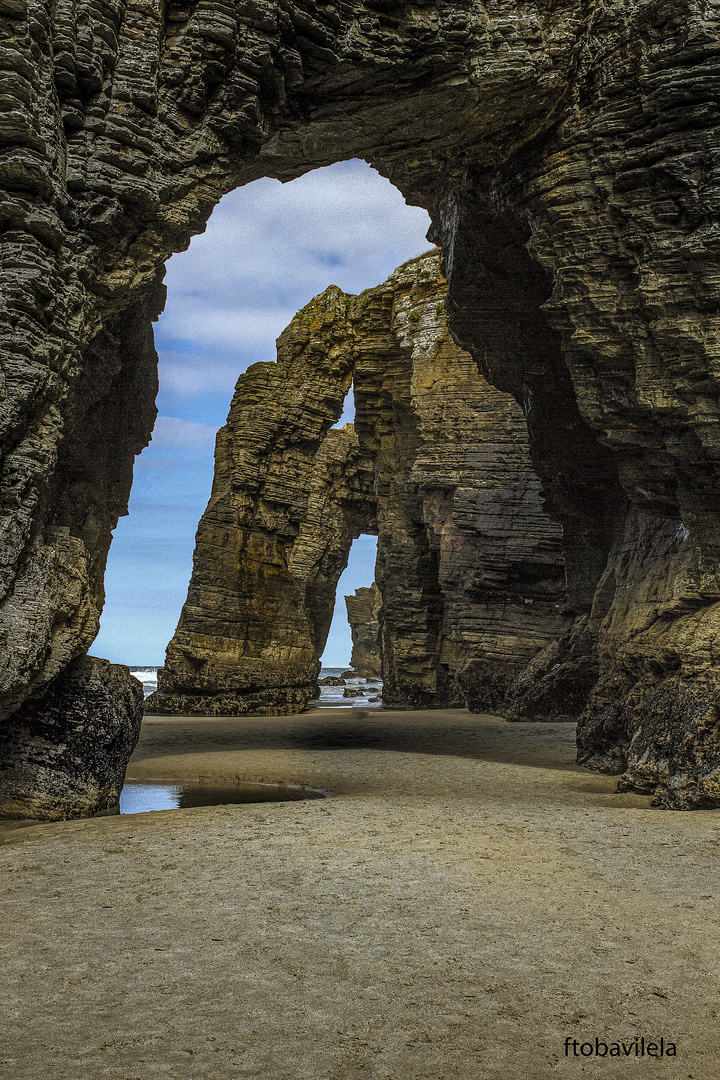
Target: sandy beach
(466, 901)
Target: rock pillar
(363, 609)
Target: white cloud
(341, 222)
(171, 433)
(268, 249)
(189, 374)
(227, 328)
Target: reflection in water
(140, 796)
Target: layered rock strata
(363, 609)
(469, 566)
(567, 155)
(288, 497)
(469, 563)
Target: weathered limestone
(50, 609)
(653, 714)
(363, 608)
(65, 756)
(288, 498)
(567, 155)
(469, 565)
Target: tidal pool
(140, 796)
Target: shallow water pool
(141, 796)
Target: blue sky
(267, 250)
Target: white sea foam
(333, 696)
(147, 676)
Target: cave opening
(138, 163)
(267, 250)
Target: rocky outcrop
(288, 497)
(65, 755)
(567, 154)
(363, 608)
(469, 565)
(54, 559)
(653, 715)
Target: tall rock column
(363, 609)
(584, 280)
(276, 533)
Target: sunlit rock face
(289, 496)
(568, 157)
(469, 568)
(363, 609)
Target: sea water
(330, 696)
(333, 696)
(147, 676)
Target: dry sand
(466, 901)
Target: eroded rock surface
(568, 157)
(469, 564)
(363, 608)
(288, 498)
(65, 755)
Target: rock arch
(469, 564)
(567, 156)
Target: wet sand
(466, 901)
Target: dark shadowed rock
(469, 562)
(65, 755)
(557, 682)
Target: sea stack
(363, 609)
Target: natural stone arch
(469, 567)
(587, 133)
(130, 122)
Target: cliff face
(275, 536)
(469, 565)
(363, 608)
(567, 155)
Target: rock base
(280, 701)
(65, 755)
(557, 682)
(664, 739)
